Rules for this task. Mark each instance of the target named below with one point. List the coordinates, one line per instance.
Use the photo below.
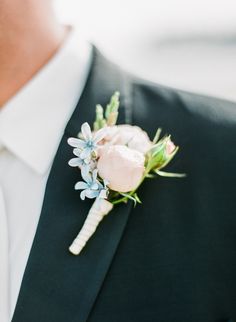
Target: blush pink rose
(121, 166)
(132, 136)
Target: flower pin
(114, 160)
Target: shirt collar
(33, 121)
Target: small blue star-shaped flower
(91, 187)
(88, 144)
(87, 163)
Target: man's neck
(25, 47)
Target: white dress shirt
(31, 126)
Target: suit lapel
(58, 286)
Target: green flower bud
(161, 154)
(100, 121)
(111, 113)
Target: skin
(29, 36)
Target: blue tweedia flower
(88, 144)
(87, 163)
(91, 187)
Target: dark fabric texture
(170, 259)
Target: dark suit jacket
(170, 259)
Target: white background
(187, 44)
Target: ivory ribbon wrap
(99, 209)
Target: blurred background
(186, 44)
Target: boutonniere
(114, 160)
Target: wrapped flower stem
(99, 209)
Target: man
(170, 259)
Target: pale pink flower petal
(122, 167)
(132, 136)
(170, 147)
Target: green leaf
(170, 174)
(137, 198)
(150, 176)
(157, 135)
(128, 196)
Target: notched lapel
(58, 286)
